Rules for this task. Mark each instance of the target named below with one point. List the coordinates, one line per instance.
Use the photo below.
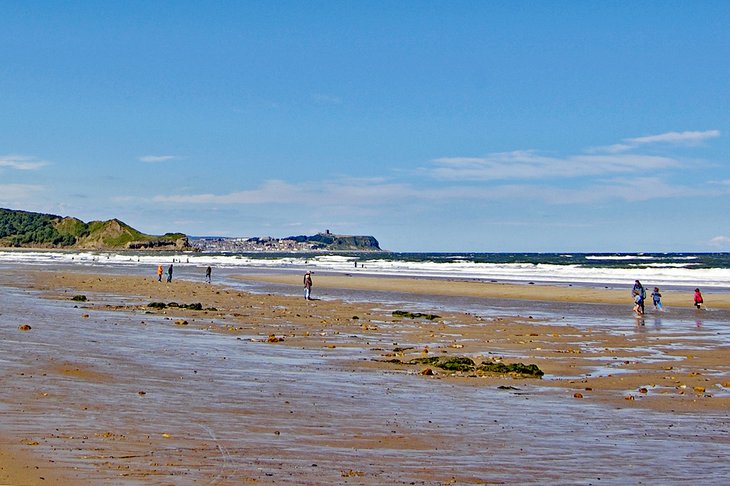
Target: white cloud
(687, 137)
(340, 192)
(671, 138)
(720, 241)
(527, 164)
(11, 194)
(21, 162)
(153, 159)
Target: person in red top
(698, 299)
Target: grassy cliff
(27, 229)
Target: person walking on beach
(207, 274)
(656, 297)
(308, 286)
(159, 273)
(698, 300)
(169, 273)
(639, 295)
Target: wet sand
(272, 389)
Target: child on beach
(639, 294)
(159, 273)
(698, 300)
(638, 304)
(656, 297)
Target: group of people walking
(160, 271)
(169, 271)
(209, 271)
(639, 294)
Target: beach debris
(79, 298)
(725, 384)
(699, 389)
(577, 395)
(630, 398)
(352, 474)
(29, 442)
(273, 339)
(84, 316)
(181, 322)
(427, 372)
(355, 318)
(415, 315)
(166, 435)
(24, 327)
(141, 393)
(506, 387)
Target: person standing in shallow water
(656, 297)
(698, 300)
(169, 273)
(308, 285)
(207, 274)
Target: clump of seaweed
(450, 363)
(415, 315)
(161, 305)
(465, 364)
(520, 369)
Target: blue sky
(433, 126)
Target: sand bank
(482, 289)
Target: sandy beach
(111, 389)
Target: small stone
(24, 327)
(427, 372)
(699, 389)
(629, 398)
(181, 322)
(577, 395)
(643, 390)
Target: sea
(666, 270)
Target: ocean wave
(660, 273)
